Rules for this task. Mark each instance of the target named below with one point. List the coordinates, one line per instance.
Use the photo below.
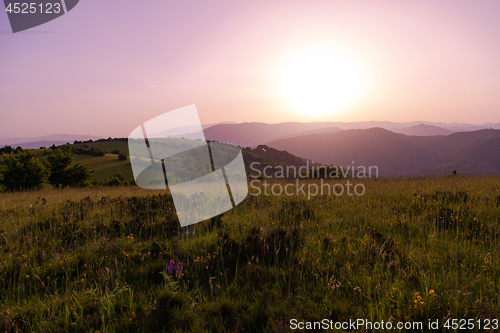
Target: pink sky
(108, 66)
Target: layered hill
(252, 134)
(401, 155)
(255, 133)
(44, 141)
(423, 130)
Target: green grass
(106, 166)
(83, 260)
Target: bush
(122, 157)
(92, 151)
(6, 150)
(61, 173)
(118, 179)
(116, 151)
(25, 171)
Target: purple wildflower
(178, 270)
(170, 268)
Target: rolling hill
(401, 155)
(394, 154)
(44, 141)
(314, 131)
(106, 166)
(254, 133)
(423, 130)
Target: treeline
(110, 139)
(10, 150)
(85, 149)
(93, 151)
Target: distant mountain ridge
(314, 131)
(45, 141)
(254, 133)
(423, 130)
(397, 154)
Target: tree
(62, 173)
(6, 150)
(117, 179)
(122, 156)
(24, 171)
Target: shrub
(92, 151)
(6, 150)
(61, 173)
(25, 171)
(117, 179)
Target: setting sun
(320, 82)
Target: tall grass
(83, 260)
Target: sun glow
(320, 82)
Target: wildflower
(431, 292)
(178, 270)
(170, 268)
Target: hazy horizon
(106, 67)
(63, 136)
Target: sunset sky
(108, 66)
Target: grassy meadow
(106, 166)
(109, 259)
